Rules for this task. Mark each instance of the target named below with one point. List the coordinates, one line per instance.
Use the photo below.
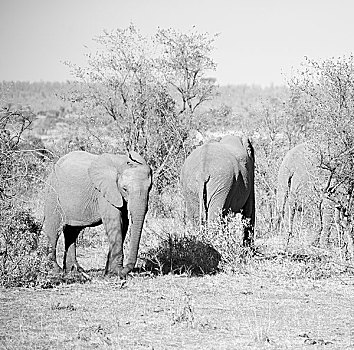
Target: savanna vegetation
(193, 289)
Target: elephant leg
(70, 236)
(292, 212)
(218, 204)
(192, 208)
(52, 227)
(116, 226)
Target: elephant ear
(136, 158)
(103, 175)
(248, 146)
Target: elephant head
(125, 182)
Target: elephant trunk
(137, 208)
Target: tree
(327, 90)
(145, 93)
(19, 171)
(13, 166)
(184, 62)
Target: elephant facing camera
(86, 190)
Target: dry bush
(181, 248)
(179, 251)
(22, 168)
(22, 247)
(225, 235)
(325, 88)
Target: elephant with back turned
(219, 177)
(299, 188)
(87, 190)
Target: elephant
(86, 190)
(218, 176)
(300, 186)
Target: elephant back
(241, 148)
(242, 154)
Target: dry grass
(210, 312)
(273, 302)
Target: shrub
(22, 249)
(183, 254)
(184, 249)
(225, 235)
(326, 91)
(21, 173)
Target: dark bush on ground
(183, 255)
(185, 249)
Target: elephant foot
(73, 267)
(120, 272)
(54, 268)
(115, 274)
(78, 273)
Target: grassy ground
(263, 308)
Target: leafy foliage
(21, 247)
(132, 86)
(20, 171)
(327, 90)
(225, 235)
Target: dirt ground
(174, 312)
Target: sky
(260, 42)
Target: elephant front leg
(52, 228)
(116, 227)
(52, 254)
(70, 236)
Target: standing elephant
(86, 190)
(299, 188)
(219, 176)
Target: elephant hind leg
(70, 236)
(292, 211)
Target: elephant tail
(203, 200)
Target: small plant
(225, 235)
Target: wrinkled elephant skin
(86, 190)
(219, 177)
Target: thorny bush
(21, 170)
